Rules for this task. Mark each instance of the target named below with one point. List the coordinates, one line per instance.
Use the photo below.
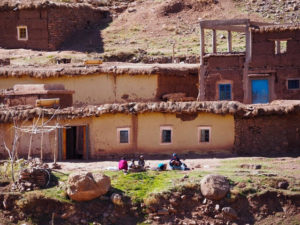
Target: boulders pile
(206, 202)
(33, 178)
(85, 186)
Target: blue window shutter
(224, 91)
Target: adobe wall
(108, 88)
(48, 28)
(224, 69)
(36, 22)
(173, 83)
(144, 135)
(282, 66)
(7, 133)
(268, 135)
(185, 133)
(63, 21)
(263, 50)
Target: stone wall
(268, 135)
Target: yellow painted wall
(138, 87)
(185, 133)
(97, 89)
(7, 133)
(104, 139)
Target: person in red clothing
(123, 164)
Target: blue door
(260, 91)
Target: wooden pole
(55, 146)
(229, 41)
(214, 41)
(30, 141)
(202, 45)
(42, 136)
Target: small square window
(280, 47)
(224, 91)
(22, 33)
(293, 84)
(166, 135)
(123, 135)
(204, 135)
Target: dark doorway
(75, 142)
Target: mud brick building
(110, 82)
(158, 128)
(269, 69)
(44, 25)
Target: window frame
(18, 33)
(119, 135)
(161, 132)
(200, 128)
(278, 46)
(292, 89)
(219, 89)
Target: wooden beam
(248, 44)
(212, 23)
(229, 41)
(214, 41)
(202, 45)
(277, 46)
(228, 28)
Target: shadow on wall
(88, 39)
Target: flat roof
(239, 25)
(44, 72)
(278, 107)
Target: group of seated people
(175, 164)
(140, 166)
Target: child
(123, 164)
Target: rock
(85, 186)
(214, 187)
(283, 185)
(131, 10)
(251, 166)
(117, 199)
(83, 221)
(217, 207)
(163, 212)
(229, 213)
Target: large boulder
(85, 186)
(214, 187)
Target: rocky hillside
(281, 11)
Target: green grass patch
(139, 185)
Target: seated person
(123, 164)
(132, 164)
(162, 167)
(141, 162)
(176, 164)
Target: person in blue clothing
(176, 164)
